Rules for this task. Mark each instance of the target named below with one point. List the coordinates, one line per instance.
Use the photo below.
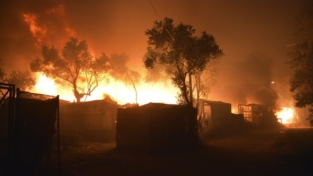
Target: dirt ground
(283, 151)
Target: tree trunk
(184, 93)
(77, 95)
(190, 90)
(197, 82)
(134, 86)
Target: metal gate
(7, 110)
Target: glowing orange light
(47, 86)
(122, 94)
(286, 115)
(44, 85)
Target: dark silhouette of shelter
(156, 127)
(214, 113)
(217, 115)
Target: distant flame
(286, 115)
(118, 91)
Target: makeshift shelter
(91, 120)
(214, 114)
(257, 114)
(156, 127)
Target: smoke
(248, 81)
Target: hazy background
(253, 35)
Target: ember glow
(286, 115)
(122, 94)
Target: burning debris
(286, 116)
(260, 114)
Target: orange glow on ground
(147, 93)
(286, 115)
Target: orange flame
(118, 91)
(286, 115)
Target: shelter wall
(88, 118)
(156, 127)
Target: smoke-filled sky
(251, 33)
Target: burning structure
(257, 114)
(287, 116)
(261, 115)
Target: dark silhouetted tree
(301, 83)
(75, 66)
(21, 79)
(121, 72)
(180, 52)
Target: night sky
(249, 32)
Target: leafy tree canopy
(22, 79)
(74, 66)
(301, 60)
(181, 52)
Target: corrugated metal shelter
(156, 127)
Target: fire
(118, 91)
(44, 84)
(47, 86)
(286, 115)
